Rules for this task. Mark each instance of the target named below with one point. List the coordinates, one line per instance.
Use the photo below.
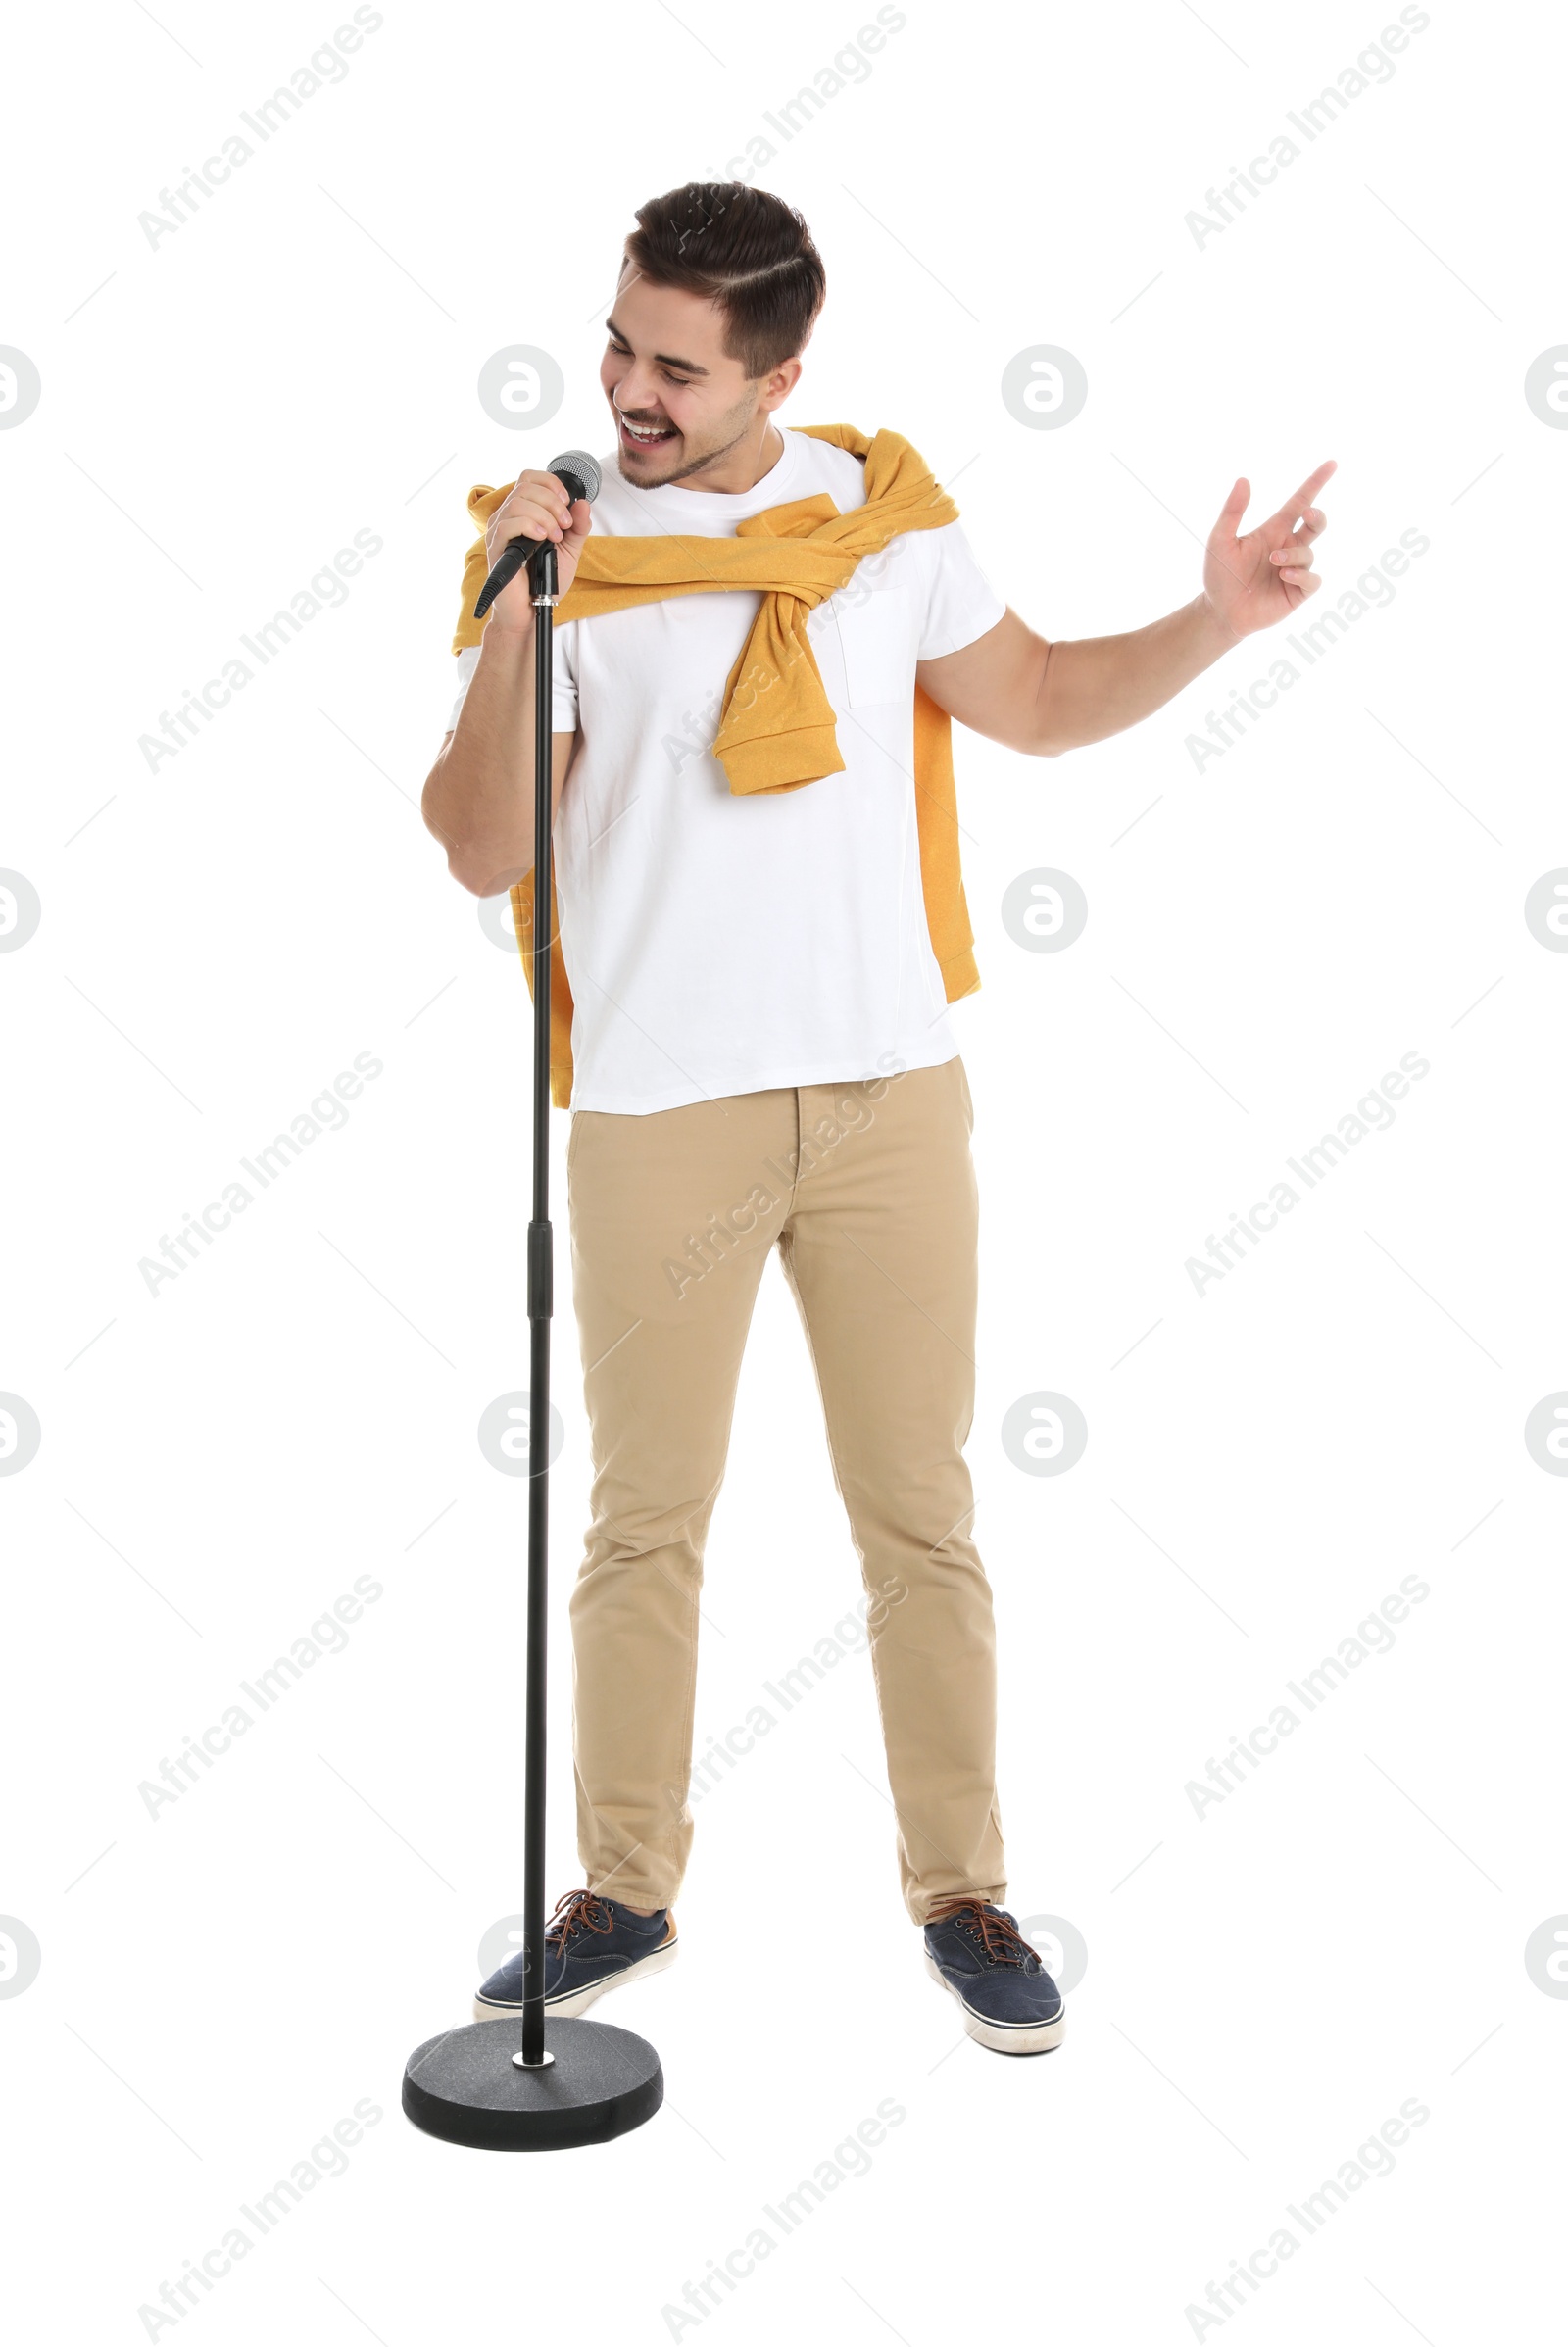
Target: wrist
(504, 638)
(1214, 631)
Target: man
(761, 921)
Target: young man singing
(764, 634)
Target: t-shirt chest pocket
(878, 628)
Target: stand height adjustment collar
(541, 1258)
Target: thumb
(1235, 506)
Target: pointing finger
(1298, 504)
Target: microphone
(578, 474)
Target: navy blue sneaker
(591, 1944)
(1009, 2000)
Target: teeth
(642, 431)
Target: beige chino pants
(869, 1191)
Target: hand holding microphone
(553, 505)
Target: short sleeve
(962, 604)
(563, 697)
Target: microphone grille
(585, 466)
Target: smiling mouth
(644, 435)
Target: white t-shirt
(717, 943)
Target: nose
(635, 391)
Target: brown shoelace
(577, 1911)
(1003, 1942)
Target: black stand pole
(541, 1266)
(572, 2081)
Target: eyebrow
(688, 366)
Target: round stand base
(464, 2086)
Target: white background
(1267, 1983)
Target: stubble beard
(741, 416)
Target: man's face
(664, 369)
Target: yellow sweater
(776, 730)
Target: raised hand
(1252, 581)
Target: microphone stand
(571, 2080)
(541, 1269)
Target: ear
(779, 384)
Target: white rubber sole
(1024, 2037)
(659, 1960)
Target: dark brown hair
(744, 249)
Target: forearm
(1100, 685)
(479, 798)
